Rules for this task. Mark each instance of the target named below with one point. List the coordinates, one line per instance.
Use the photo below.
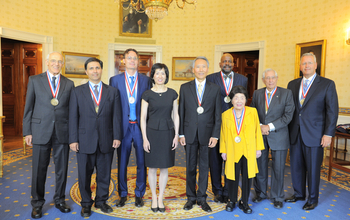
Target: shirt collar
(203, 82)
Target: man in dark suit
(275, 108)
(131, 85)
(311, 129)
(226, 79)
(94, 133)
(200, 121)
(45, 125)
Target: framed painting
(74, 64)
(318, 48)
(182, 68)
(133, 21)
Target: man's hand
(326, 141)
(265, 129)
(116, 143)
(212, 142)
(74, 146)
(182, 141)
(28, 140)
(224, 156)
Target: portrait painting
(74, 64)
(134, 21)
(318, 48)
(182, 68)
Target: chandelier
(157, 9)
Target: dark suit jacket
(208, 123)
(319, 113)
(238, 80)
(280, 114)
(40, 117)
(91, 129)
(118, 81)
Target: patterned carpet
(15, 195)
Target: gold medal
(227, 99)
(237, 139)
(54, 102)
(200, 110)
(96, 109)
(131, 100)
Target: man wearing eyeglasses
(45, 126)
(275, 108)
(311, 129)
(131, 85)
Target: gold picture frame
(182, 68)
(316, 47)
(74, 64)
(129, 18)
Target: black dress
(160, 128)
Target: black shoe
(219, 198)
(85, 211)
(309, 206)
(230, 206)
(63, 207)
(278, 204)
(225, 199)
(189, 205)
(37, 212)
(104, 208)
(245, 207)
(257, 199)
(138, 202)
(162, 209)
(122, 201)
(204, 205)
(293, 198)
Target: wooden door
(247, 64)
(19, 61)
(145, 63)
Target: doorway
(19, 61)
(145, 62)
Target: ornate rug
(16, 155)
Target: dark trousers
(277, 173)
(86, 165)
(306, 162)
(196, 151)
(216, 165)
(41, 160)
(232, 185)
(133, 136)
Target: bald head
(226, 63)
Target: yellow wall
(88, 26)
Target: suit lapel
(87, 95)
(123, 88)
(206, 91)
(45, 83)
(104, 95)
(296, 93)
(262, 102)
(193, 90)
(275, 99)
(63, 83)
(312, 89)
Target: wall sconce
(348, 37)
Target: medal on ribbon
(131, 92)
(238, 124)
(54, 101)
(200, 109)
(303, 95)
(97, 100)
(227, 88)
(268, 100)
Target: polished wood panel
(335, 162)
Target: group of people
(211, 121)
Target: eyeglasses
(270, 77)
(60, 62)
(131, 58)
(308, 63)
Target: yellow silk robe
(251, 141)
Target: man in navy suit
(226, 79)
(94, 133)
(131, 85)
(200, 122)
(311, 129)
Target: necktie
(200, 89)
(96, 94)
(132, 81)
(306, 82)
(54, 82)
(268, 98)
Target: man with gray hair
(45, 126)
(275, 109)
(311, 129)
(200, 121)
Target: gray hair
(48, 56)
(308, 54)
(267, 70)
(200, 58)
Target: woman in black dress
(160, 127)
